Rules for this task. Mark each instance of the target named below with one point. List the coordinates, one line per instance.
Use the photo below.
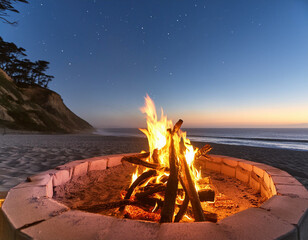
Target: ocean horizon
(283, 138)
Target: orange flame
(158, 138)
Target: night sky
(212, 63)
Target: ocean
(285, 138)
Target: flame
(134, 176)
(159, 140)
(155, 207)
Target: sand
(22, 155)
(100, 187)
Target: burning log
(133, 212)
(175, 147)
(137, 159)
(156, 189)
(143, 177)
(155, 156)
(206, 195)
(182, 210)
(203, 151)
(177, 126)
(190, 189)
(172, 186)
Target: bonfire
(166, 185)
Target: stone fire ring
(29, 212)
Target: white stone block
(245, 165)
(227, 170)
(292, 190)
(61, 177)
(25, 206)
(292, 210)
(71, 225)
(80, 169)
(114, 160)
(242, 174)
(196, 231)
(213, 158)
(265, 191)
(267, 178)
(98, 164)
(230, 161)
(39, 180)
(255, 181)
(255, 223)
(258, 171)
(213, 166)
(285, 180)
(126, 229)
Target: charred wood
(172, 187)
(189, 187)
(155, 189)
(203, 151)
(135, 159)
(206, 195)
(182, 210)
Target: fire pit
(168, 188)
(29, 210)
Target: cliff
(33, 108)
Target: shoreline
(22, 155)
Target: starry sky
(214, 63)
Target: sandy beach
(22, 155)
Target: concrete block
(214, 158)
(61, 177)
(272, 186)
(255, 223)
(271, 170)
(258, 171)
(227, 170)
(71, 225)
(125, 229)
(114, 160)
(76, 168)
(25, 206)
(98, 164)
(255, 181)
(213, 166)
(265, 191)
(196, 231)
(247, 165)
(80, 169)
(267, 180)
(39, 180)
(230, 161)
(285, 180)
(242, 174)
(292, 210)
(292, 190)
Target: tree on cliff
(22, 71)
(7, 5)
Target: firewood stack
(176, 180)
